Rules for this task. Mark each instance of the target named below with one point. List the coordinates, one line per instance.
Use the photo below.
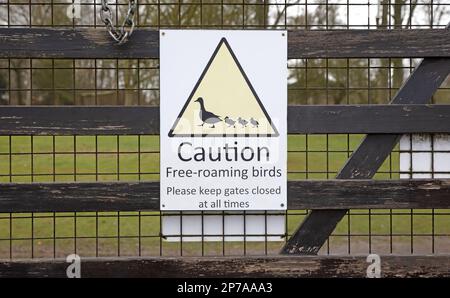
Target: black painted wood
(316, 119)
(231, 267)
(78, 120)
(306, 194)
(87, 120)
(364, 194)
(96, 43)
(368, 43)
(75, 43)
(368, 157)
(71, 197)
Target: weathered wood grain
(75, 43)
(365, 119)
(362, 194)
(96, 43)
(368, 157)
(91, 120)
(368, 43)
(90, 196)
(305, 194)
(232, 267)
(78, 120)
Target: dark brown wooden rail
(79, 120)
(232, 267)
(305, 194)
(88, 120)
(96, 43)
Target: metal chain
(123, 33)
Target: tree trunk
(397, 64)
(382, 77)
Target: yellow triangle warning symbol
(223, 102)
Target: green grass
(75, 159)
(86, 158)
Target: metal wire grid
(79, 82)
(135, 82)
(235, 13)
(109, 234)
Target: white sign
(223, 120)
(229, 226)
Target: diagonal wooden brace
(369, 156)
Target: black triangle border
(223, 40)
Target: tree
(399, 14)
(310, 81)
(325, 81)
(40, 78)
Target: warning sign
(223, 102)
(223, 120)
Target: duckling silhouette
(206, 116)
(230, 122)
(242, 122)
(254, 122)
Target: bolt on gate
(90, 131)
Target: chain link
(123, 33)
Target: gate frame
(433, 44)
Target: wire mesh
(136, 158)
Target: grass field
(129, 158)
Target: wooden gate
(408, 112)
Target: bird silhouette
(254, 122)
(230, 122)
(242, 122)
(206, 116)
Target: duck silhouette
(242, 122)
(207, 116)
(254, 122)
(230, 122)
